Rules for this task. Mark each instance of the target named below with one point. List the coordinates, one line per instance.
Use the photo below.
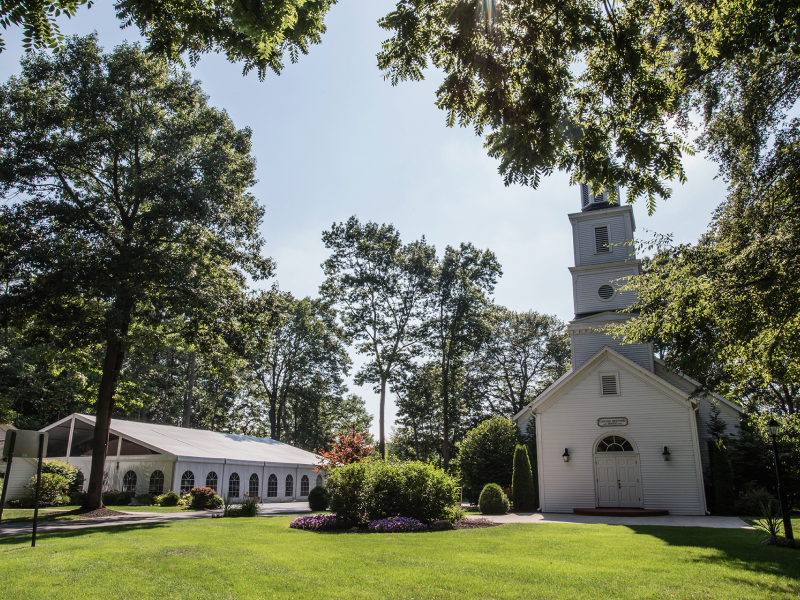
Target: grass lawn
(263, 558)
(13, 515)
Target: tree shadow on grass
(736, 549)
(23, 535)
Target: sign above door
(612, 421)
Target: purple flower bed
(314, 522)
(397, 524)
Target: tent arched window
(320, 483)
(233, 485)
(304, 485)
(289, 491)
(272, 486)
(614, 443)
(252, 489)
(187, 482)
(156, 483)
(211, 481)
(129, 482)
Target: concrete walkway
(668, 520)
(288, 508)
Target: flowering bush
(397, 524)
(314, 522)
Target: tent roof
(197, 444)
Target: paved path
(288, 508)
(668, 520)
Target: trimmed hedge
(202, 497)
(369, 491)
(493, 501)
(319, 498)
(524, 491)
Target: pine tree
(724, 495)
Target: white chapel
(617, 430)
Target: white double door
(618, 480)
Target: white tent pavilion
(149, 458)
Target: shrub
(247, 508)
(79, 498)
(59, 467)
(168, 499)
(186, 500)
(487, 454)
(76, 487)
(62, 500)
(724, 496)
(397, 525)
(314, 522)
(145, 499)
(319, 498)
(202, 497)
(524, 493)
(345, 486)
(52, 486)
(385, 489)
(492, 500)
(116, 498)
(750, 502)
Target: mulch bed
(92, 514)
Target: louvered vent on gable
(586, 197)
(608, 384)
(601, 239)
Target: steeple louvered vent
(601, 239)
(609, 385)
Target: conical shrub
(522, 483)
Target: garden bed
(328, 523)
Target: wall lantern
(565, 456)
(665, 453)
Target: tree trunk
(446, 416)
(187, 406)
(274, 425)
(112, 364)
(382, 420)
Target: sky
(333, 139)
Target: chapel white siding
(655, 420)
(585, 343)
(620, 229)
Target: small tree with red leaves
(345, 449)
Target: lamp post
(772, 428)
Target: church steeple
(604, 258)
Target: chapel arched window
(614, 443)
(320, 483)
(252, 489)
(304, 485)
(289, 491)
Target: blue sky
(333, 139)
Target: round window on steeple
(606, 292)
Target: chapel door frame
(634, 470)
